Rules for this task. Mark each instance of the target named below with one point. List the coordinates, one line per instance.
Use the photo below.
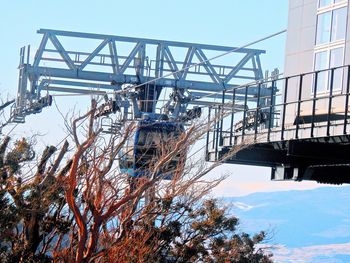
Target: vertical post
(208, 133)
(22, 85)
(271, 113)
(214, 130)
(284, 108)
(257, 113)
(346, 101)
(222, 116)
(314, 105)
(244, 112)
(158, 70)
(28, 53)
(298, 106)
(232, 115)
(217, 111)
(330, 102)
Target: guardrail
(309, 105)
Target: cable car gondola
(145, 146)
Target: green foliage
(34, 218)
(20, 153)
(210, 236)
(29, 211)
(191, 233)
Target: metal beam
(62, 52)
(147, 40)
(128, 79)
(148, 61)
(93, 54)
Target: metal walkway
(299, 129)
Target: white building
(300, 128)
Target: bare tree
(99, 213)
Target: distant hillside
(313, 220)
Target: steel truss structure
(137, 69)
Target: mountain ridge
(318, 215)
(301, 222)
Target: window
(323, 32)
(330, 43)
(321, 62)
(327, 59)
(336, 60)
(324, 3)
(339, 24)
(331, 26)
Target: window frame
(330, 45)
(328, 49)
(332, 5)
(331, 9)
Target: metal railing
(309, 105)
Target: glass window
(323, 28)
(339, 23)
(336, 60)
(323, 3)
(330, 32)
(321, 62)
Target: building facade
(318, 40)
(301, 127)
(318, 36)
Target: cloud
(310, 253)
(242, 206)
(245, 207)
(244, 180)
(236, 187)
(335, 232)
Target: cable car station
(297, 122)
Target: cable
(8, 134)
(126, 90)
(241, 86)
(212, 58)
(6, 104)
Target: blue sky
(221, 22)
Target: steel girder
(109, 65)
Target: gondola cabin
(149, 141)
